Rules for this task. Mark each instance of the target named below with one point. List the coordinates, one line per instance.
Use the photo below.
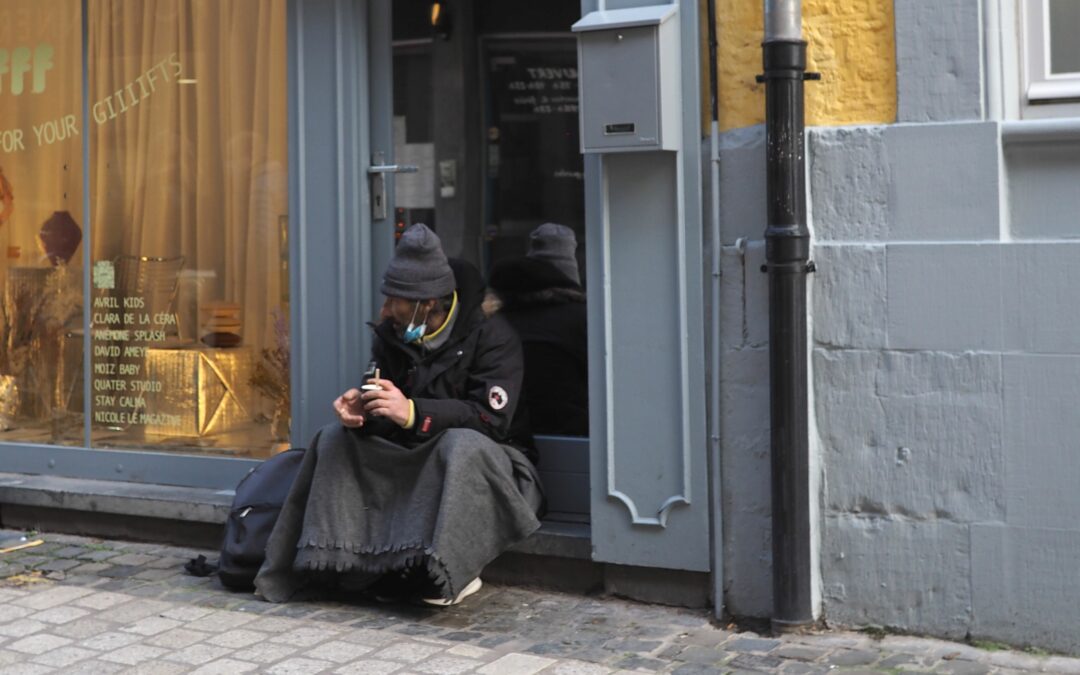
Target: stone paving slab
(126, 607)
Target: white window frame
(1044, 94)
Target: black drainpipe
(787, 250)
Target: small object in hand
(372, 387)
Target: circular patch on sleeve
(498, 398)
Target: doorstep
(164, 502)
(558, 556)
(95, 507)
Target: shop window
(169, 331)
(1051, 55)
(41, 220)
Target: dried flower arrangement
(32, 324)
(270, 376)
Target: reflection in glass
(534, 171)
(41, 237)
(414, 141)
(188, 193)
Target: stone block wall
(945, 357)
(946, 371)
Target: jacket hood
(470, 290)
(522, 282)
(528, 275)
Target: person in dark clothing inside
(429, 473)
(542, 298)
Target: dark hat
(556, 245)
(419, 269)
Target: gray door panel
(649, 469)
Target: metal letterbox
(630, 80)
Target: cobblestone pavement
(80, 605)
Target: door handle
(377, 171)
(392, 168)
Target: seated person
(542, 298)
(428, 475)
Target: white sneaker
(470, 588)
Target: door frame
(341, 99)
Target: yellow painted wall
(850, 42)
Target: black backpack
(259, 498)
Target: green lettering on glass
(22, 61)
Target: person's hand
(388, 402)
(350, 409)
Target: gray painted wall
(938, 60)
(946, 374)
(945, 360)
(1039, 174)
(945, 364)
(744, 366)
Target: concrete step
(166, 502)
(172, 514)
(558, 556)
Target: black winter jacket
(473, 381)
(548, 312)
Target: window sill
(1040, 131)
(1054, 90)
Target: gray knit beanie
(555, 244)
(419, 269)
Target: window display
(170, 331)
(41, 212)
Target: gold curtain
(188, 143)
(44, 176)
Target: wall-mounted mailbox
(630, 80)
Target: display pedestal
(204, 391)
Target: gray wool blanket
(362, 506)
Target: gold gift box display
(205, 391)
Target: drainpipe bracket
(786, 74)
